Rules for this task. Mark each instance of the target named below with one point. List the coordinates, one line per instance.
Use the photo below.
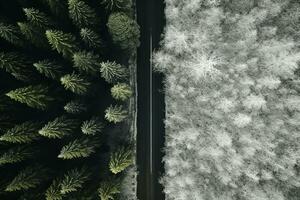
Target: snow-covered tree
(232, 105)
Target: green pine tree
(92, 126)
(123, 30)
(15, 155)
(49, 69)
(113, 72)
(15, 64)
(91, 38)
(38, 18)
(22, 133)
(81, 13)
(108, 190)
(73, 180)
(53, 192)
(75, 107)
(11, 34)
(33, 96)
(79, 148)
(117, 4)
(64, 43)
(121, 91)
(115, 114)
(75, 83)
(120, 160)
(87, 62)
(33, 35)
(28, 178)
(59, 127)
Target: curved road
(151, 104)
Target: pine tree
(33, 35)
(15, 64)
(117, 4)
(75, 83)
(59, 127)
(79, 148)
(87, 62)
(64, 43)
(113, 72)
(53, 192)
(74, 180)
(33, 96)
(120, 160)
(108, 190)
(11, 34)
(15, 155)
(121, 91)
(81, 13)
(49, 69)
(92, 126)
(91, 38)
(22, 133)
(115, 114)
(123, 30)
(75, 107)
(38, 18)
(29, 177)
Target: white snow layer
(232, 96)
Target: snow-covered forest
(232, 95)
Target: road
(151, 104)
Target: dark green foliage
(91, 38)
(15, 64)
(38, 18)
(33, 35)
(58, 7)
(121, 91)
(120, 160)
(22, 133)
(87, 62)
(115, 114)
(108, 190)
(64, 43)
(29, 177)
(92, 126)
(49, 69)
(75, 83)
(6, 122)
(11, 34)
(117, 4)
(113, 72)
(81, 13)
(33, 96)
(74, 180)
(59, 127)
(79, 148)
(53, 192)
(45, 125)
(123, 30)
(75, 107)
(16, 154)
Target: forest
(65, 99)
(232, 86)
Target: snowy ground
(232, 95)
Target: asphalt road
(151, 104)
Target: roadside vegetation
(232, 96)
(64, 98)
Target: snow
(232, 121)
